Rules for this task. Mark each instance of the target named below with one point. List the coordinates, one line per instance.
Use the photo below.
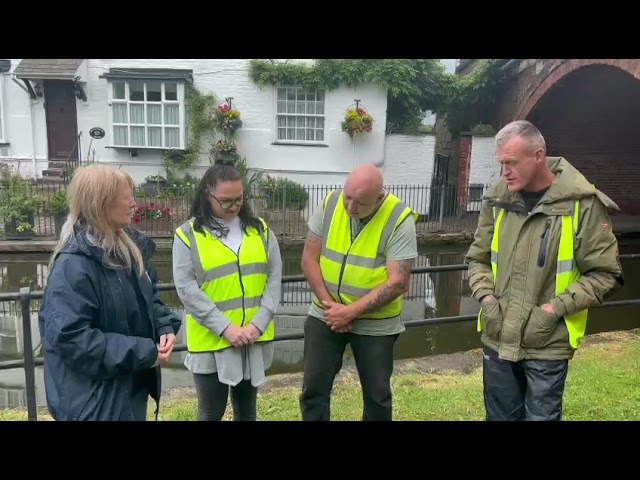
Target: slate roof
(48, 68)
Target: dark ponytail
(222, 171)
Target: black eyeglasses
(227, 204)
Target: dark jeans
(323, 351)
(525, 390)
(213, 395)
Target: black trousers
(323, 351)
(213, 395)
(525, 390)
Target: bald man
(357, 259)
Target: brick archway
(631, 66)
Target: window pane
(300, 134)
(154, 114)
(320, 102)
(310, 134)
(120, 136)
(311, 107)
(172, 137)
(136, 91)
(320, 135)
(282, 121)
(320, 123)
(291, 134)
(291, 100)
(137, 136)
(120, 113)
(154, 136)
(282, 106)
(118, 91)
(171, 115)
(291, 122)
(282, 93)
(171, 91)
(154, 91)
(136, 113)
(311, 122)
(282, 134)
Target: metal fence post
(29, 362)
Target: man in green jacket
(544, 252)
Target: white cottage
(126, 112)
(49, 107)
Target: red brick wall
(590, 118)
(464, 158)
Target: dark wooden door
(62, 121)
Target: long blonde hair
(90, 198)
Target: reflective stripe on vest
(351, 270)
(235, 283)
(566, 271)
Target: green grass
(603, 384)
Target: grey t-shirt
(403, 245)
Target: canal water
(431, 295)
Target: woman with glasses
(227, 270)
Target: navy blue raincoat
(97, 362)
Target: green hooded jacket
(515, 326)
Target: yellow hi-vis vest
(566, 272)
(352, 269)
(235, 283)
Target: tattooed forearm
(404, 268)
(385, 294)
(396, 285)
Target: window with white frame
(147, 113)
(300, 115)
(3, 137)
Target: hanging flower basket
(227, 118)
(356, 122)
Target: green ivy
(471, 99)
(414, 85)
(201, 120)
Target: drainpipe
(33, 139)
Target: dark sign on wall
(97, 133)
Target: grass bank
(603, 384)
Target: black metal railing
(29, 362)
(163, 206)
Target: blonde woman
(104, 329)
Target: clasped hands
(239, 336)
(338, 316)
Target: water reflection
(430, 295)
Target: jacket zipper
(542, 253)
(244, 314)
